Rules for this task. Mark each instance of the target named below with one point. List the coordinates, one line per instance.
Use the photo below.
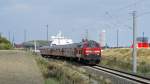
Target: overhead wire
(121, 9)
(145, 13)
(117, 22)
(129, 5)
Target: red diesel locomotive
(88, 52)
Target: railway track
(124, 76)
(134, 79)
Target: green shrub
(144, 67)
(4, 44)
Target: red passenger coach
(88, 52)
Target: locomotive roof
(74, 45)
(44, 47)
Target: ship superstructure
(59, 39)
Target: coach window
(79, 51)
(62, 50)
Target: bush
(144, 68)
(4, 44)
(43, 64)
(65, 74)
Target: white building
(103, 38)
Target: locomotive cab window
(91, 44)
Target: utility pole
(47, 31)
(117, 38)
(134, 55)
(87, 33)
(35, 46)
(143, 37)
(0, 35)
(9, 35)
(25, 35)
(13, 41)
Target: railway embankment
(65, 72)
(121, 59)
(17, 67)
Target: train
(88, 52)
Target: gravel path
(16, 67)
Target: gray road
(18, 68)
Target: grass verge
(122, 59)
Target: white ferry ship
(59, 39)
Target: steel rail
(128, 76)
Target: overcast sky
(73, 17)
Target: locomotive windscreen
(91, 44)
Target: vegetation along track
(131, 78)
(124, 75)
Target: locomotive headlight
(97, 51)
(88, 51)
